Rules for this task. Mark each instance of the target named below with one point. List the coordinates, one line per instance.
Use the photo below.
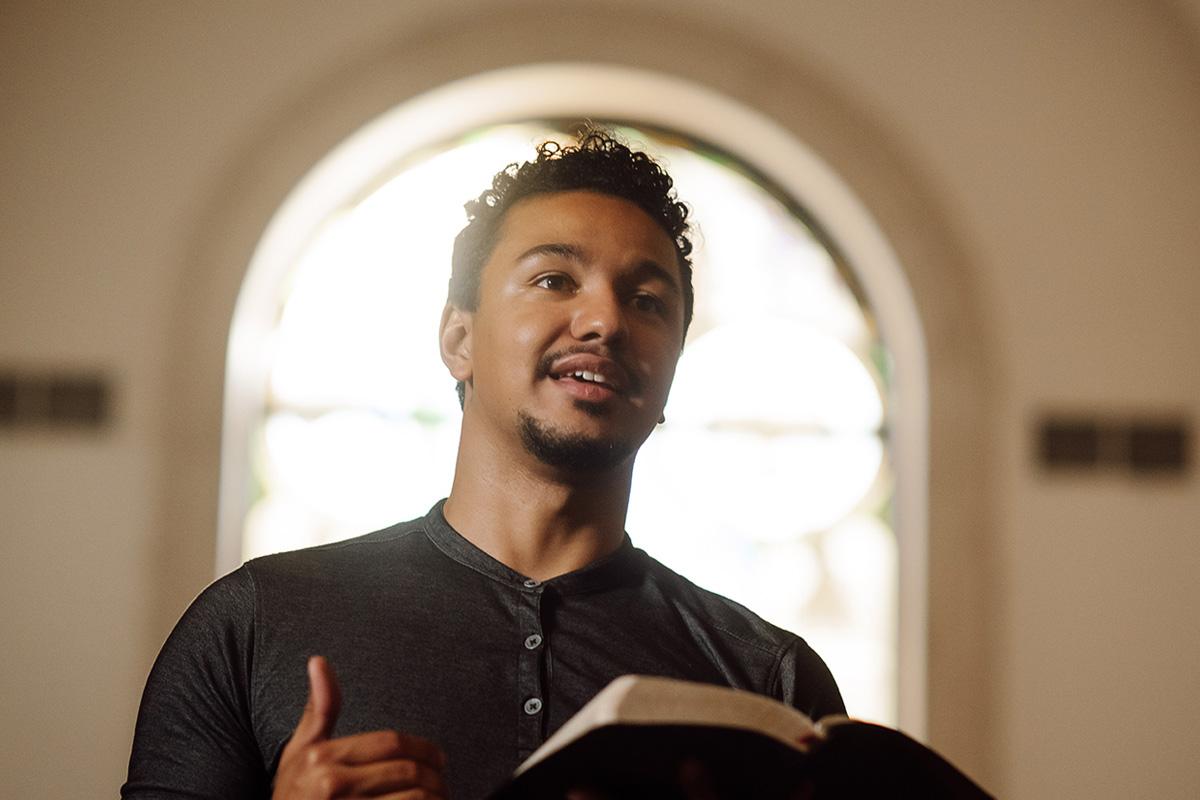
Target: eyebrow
(575, 253)
(656, 270)
(562, 249)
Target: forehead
(598, 222)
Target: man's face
(573, 345)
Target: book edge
(625, 700)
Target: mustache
(546, 362)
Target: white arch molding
(608, 91)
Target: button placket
(530, 690)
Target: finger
(375, 779)
(323, 706)
(412, 794)
(363, 748)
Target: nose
(599, 315)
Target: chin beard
(573, 452)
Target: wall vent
(48, 399)
(1139, 444)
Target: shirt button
(532, 641)
(532, 706)
(532, 584)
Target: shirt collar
(620, 566)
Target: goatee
(573, 452)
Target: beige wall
(1035, 165)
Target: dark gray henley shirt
(431, 636)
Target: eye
(649, 303)
(554, 281)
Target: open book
(633, 737)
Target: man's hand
(377, 764)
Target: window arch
(805, 191)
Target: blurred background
(968, 232)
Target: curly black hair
(599, 162)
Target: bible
(631, 741)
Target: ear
(455, 335)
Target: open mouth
(589, 376)
(586, 385)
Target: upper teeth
(594, 377)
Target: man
(463, 639)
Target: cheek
(667, 379)
(525, 334)
(519, 341)
(659, 362)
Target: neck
(533, 518)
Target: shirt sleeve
(805, 682)
(194, 736)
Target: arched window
(773, 481)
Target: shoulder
(793, 671)
(333, 561)
(717, 611)
(320, 585)
(223, 612)
(224, 616)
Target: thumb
(324, 703)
